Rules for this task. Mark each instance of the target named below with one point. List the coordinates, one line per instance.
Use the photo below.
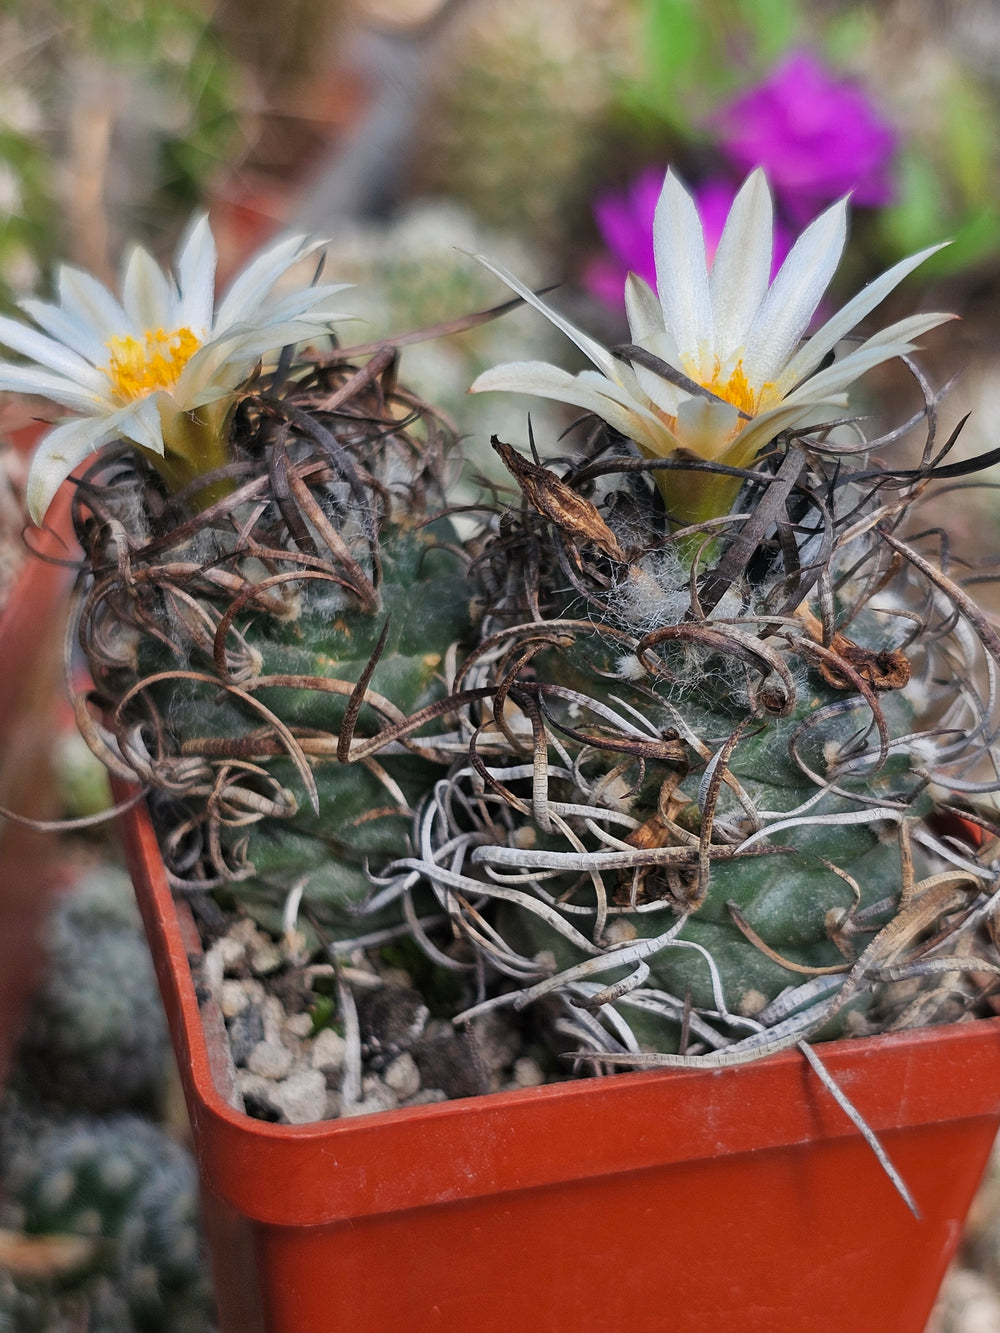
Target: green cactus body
(423, 608)
(706, 828)
(791, 896)
(279, 668)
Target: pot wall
(688, 1201)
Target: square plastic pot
(31, 655)
(683, 1201)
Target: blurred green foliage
(949, 186)
(27, 206)
(176, 86)
(697, 54)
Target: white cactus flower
(161, 366)
(731, 341)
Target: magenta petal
(625, 222)
(605, 279)
(818, 137)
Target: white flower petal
(196, 262)
(913, 326)
(140, 422)
(661, 392)
(599, 355)
(588, 390)
(232, 356)
(147, 296)
(253, 341)
(642, 306)
(55, 356)
(210, 393)
(306, 302)
(626, 397)
(29, 379)
(79, 338)
(682, 269)
(59, 452)
(706, 427)
(763, 429)
(836, 378)
(797, 289)
(251, 288)
(816, 348)
(741, 269)
(89, 303)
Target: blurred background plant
(896, 104)
(99, 1206)
(112, 117)
(549, 122)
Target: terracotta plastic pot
(739, 1199)
(31, 630)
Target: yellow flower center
(736, 389)
(732, 385)
(138, 368)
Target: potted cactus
(661, 766)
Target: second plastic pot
(31, 658)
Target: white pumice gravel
(968, 1303)
(403, 1076)
(253, 1087)
(377, 1096)
(232, 997)
(401, 1056)
(213, 968)
(328, 1049)
(265, 957)
(528, 1073)
(270, 1060)
(301, 1099)
(272, 1013)
(243, 930)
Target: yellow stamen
(140, 368)
(733, 387)
(736, 389)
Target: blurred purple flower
(817, 137)
(625, 222)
